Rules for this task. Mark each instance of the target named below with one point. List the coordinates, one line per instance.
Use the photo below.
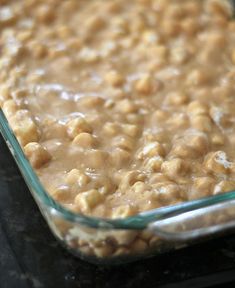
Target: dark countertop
(31, 257)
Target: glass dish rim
(136, 222)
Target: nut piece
(145, 85)
(114, 78)
(61, 193)
(94, 23)
(124, 142)
(197, 107)
(217, 163)
(120, 157)
(154, 164)
(91, 102)
(151, 150)
(199, 143)
(85, 140)
(37, 154)
(197, 78)
(111, 129)
(45, 14)
(130, 129)
(159, 116)
(190, 26)
(140, 187)
(175, 168)
(178, 120)
(130, 178)
(202, 187)
(87, 200)
(202, 123)
(96, 158)
(179, 55)
(177, 98)
(124, 237)
(126, 106)
(217, 139)
(183, 151)
(123, 211)
(168, 193)
(38, 50)
(64, 32)
(24, 127)
(9, 108)
(77, 126)
(77, 177)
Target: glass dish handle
(196, 224)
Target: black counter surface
(31, 257)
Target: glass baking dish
(104, 241)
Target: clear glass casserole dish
(108, 241)
(104, 241)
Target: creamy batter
(122, 106)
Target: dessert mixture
(122, 106)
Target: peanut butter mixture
(122, 106)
